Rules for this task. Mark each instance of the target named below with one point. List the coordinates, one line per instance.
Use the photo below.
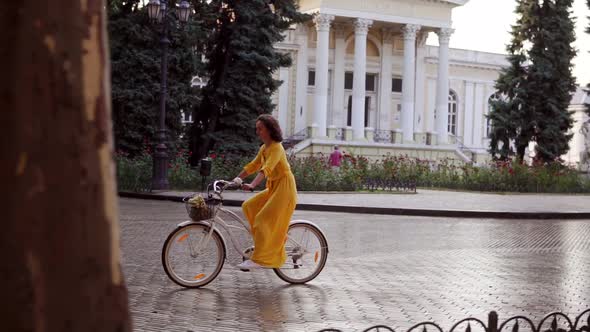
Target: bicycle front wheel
(307, 252)
(191, 257)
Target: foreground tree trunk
(59, 243)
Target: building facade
(579, 153)
(364, 77)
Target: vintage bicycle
(195, 251)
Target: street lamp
(158, 11)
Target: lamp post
(158, 11)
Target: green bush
(313, 173)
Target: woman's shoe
(248, 265)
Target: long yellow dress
(269, 212)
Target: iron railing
(462, 147)
(383, 136)
(560, 322)
(299, 136)
(137, 185)
(340, 134)
(373, 184)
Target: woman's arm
(254, 183)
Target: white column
(430, 123)
(283, 97)
(408, 81)
(302, 75)
(419, 102)
(320, 111)
(468, 124)
(442, 86)
(478, 119)
(384, 117)
(361, 29)
(338, 109)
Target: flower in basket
(197, 202)
(198, 208)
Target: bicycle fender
(188, 222)
(303, 221)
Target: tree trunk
(59, 244)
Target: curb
(393, 211)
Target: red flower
(212, 156)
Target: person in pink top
(336, 157)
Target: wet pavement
(437, 200)
(389, 270)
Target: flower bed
(315, 174)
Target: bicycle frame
(212, 223)
(218, 221)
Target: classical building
(364, 78)
(579, 153)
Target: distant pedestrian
(336, 158)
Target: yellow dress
(269, 212)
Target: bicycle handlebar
(220, 185)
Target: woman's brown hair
(273, 127)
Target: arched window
(186, 117)
(452, 113)
(496, 96)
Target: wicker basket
(202, 212)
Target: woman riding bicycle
(269, 212)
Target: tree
(510, 117)
(538, 84)
(59, 243)
(241, 61)
(551, 82)
(136, 58)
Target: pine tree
(135, 57)
(550, 80)
(538, 85)
(510, 116)
(241, 61)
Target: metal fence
(553, 322)
(373, 184)
(383, 136)
(340, 134)
(137, 185)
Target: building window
(370, 82)
(311, 78)
(186, 117)
(396, 85)
(349, 112)
(367, 113)
(493, 98)
(348, 77)
(452, 113)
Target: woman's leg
(253, 205)
(271, 225)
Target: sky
(484, 25)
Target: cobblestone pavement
(381, 270)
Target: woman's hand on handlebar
(247, 187)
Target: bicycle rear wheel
(191, 258)
(307, 252)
